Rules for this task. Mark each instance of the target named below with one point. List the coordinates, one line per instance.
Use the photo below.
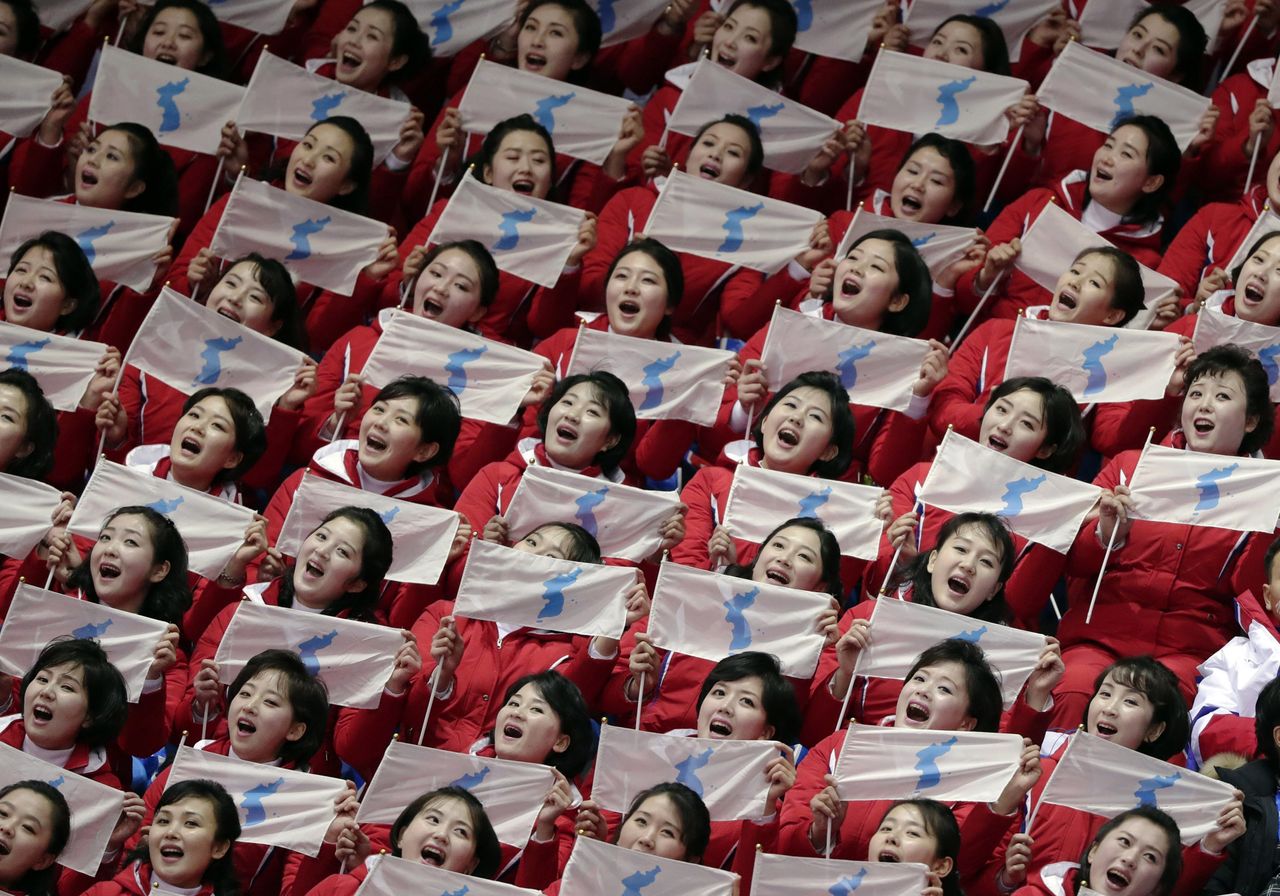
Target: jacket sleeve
(955, 400)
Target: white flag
(422, 534)
(623, 519)
(621, 20)
(1199, 489)
(62, 365)
(1102, 778)
(518, 589)
(582, 122)
(940, 245)
(28, 515)
(597, 868)
(454, 24)
(390, 876)
(666, 381)
(1266, 223)
(918, 95)
(37, 617)
(28, 90)
(1263, 342)
(278, 806)
(726, 224)
(211, 528)
(511, 792)
(190, 348)
(1015, 18)
(901, 631)
(1104, 25)
(489, 378)
(791, 132)
(56, 15)
(834, 28)
(353, 659)
(286, 100)
(1039, 505)
(729, 775)
(182, 108)
(1098, 91)
(95, 808)
(318, 243)
(760, 498)
(119, 245)
(711, 615)
(879, 763)
(877, 369)
(262, 16)
(793, 876)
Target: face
(8, 30)
(443, 835)
(175, 38)
(1085, 292)
(204, 443)
(240, 296)
(184, 841)
(578, 428)
(522, 164)
(924, 189)
(903, 837)
(1120, 177)
(1151, 45)
(792, 558)
(654, 828)
(1014, 425)
(1273, 181)
(261, 718)
(935, 698)
(1129, 860)
(364, 50)
(26, 828)
(33, 293)
(1258, 288)
(866, 285)
(122, 562)
(320, 166)
(55, 706)
(797, 432)
(635, 297)
(547, 45)
(722, 154)
(329, 563)
(744, 41)
(734, 710)
(547, 541)
(391, 439)
(957, 43)
(1122, 715)
(106, 172)
(448, 290)
(13, 425)
(1214, 416)
(528, 729)
(1271, 590)
(965, 571)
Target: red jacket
(1211, 238)
(93, 763)
(134, 881)
(1235, 98)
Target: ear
(1275, 735)
(295, 732)
(613, 441)
(942, 867)
(45, 861)
(955, 208)
(968, 724)
(1153, 183)
(348, 187)
(1112, 317)
(1250, 424)
(135, 189)
(29, 446)
(477, 314)
(234, 460)
(562, 743)
(1154, 732)
(397, 63)
(69, 304)
(355, 586)
(769, 732)
(425, 451)
(771, 63)
(486, 174)
(900, 301)
(1266, 588)
(580, 61)
(1046, 451)
(832, 450)
(159, 572)
(273, 328)
(220, 849)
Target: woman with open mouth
(35, 825)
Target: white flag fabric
(422, 534)
(119, 245)
(1198, 489)
(278, 806)
(621, 20)
(726, 224)
(57, 15)
(1098, 91)
(834, 28)
(918, 95)
(318, 243)
(1014, 17)
(28, 90)
(514, 588)
(597, 868)
(582, 122)
(623, 519)
(353, 659)
(489, 378)
(729, 775)
(1041, 506)
(759, 498)
(190, 348)
(95, 808)
(211, 528)
(940, 245)
(1104, 25)
(262, 16)
(511, 792)
(1266, 223)
(28, 515)
(286, 100)
(877, 369)
(1263, 342)
(666, 381)
(454, 24)
(37, 617)
(62, 365)
(712, 616)
(901, 631)
(791, 132)
(389, 876)
(1102, 778)
(182, 108)
(794, 876)
(1095, 364)
(879, 763)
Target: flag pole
(1004, 166)
(976, 311)
(435, 187)
(431, 701)
(1253, 163)
(844, 704)
(639, 699)
(1112, 540)
(1244, 38)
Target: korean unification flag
(513, 588)
(38, 617)
(794, 876)
(791, 132)
(1102, 778)
(879, 763)
(834, 28)
(62, 365)
(182, 108)
(582, 122)
(29, 505)
(1199, 489)
(901, 631)
(27, 91)
(1104, 25)
(626, 521)
(1098, 91)
(119, 245)
(759, 498)
(95, 808)
(262, 16)
(389, 876)
(1263, 342)
(621, 20)
(1040, 506)
(286, 100)
(451, 25)
(1266, 223)
(56, 15)
(190, 347)
(211, 528)
(712, 616)
(726, 224)
(1015, 18)
(528, 237)
(278, 806)
(667, 381)
(422, 534)
(602, 869)
(318, 243)
(511, 792)
(877, 369)
(729, 775)
(488, 377)
(940, 245)
(918, 95)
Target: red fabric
(1210, 239)
(1235, 98)
(133, 881)
(92, 764)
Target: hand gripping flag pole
(1111, 542)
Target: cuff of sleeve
(796, 271)
(395, 163)
(151, 685)
(917, 407)
(738, 418)
(596, 655)
(943, 292)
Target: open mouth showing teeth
(88, 178)
(350, 61)
(917, 713)
(1066, 300)
(167, 57)
(171, 852)
(535, 60)
(246, 727)
(190, 446)
(108, 570)
(788, 437)
(229, 314)
(911, 204)
(1105, 730)
(958, 585)
(726, 61)
(566, 433)
(850, 287)
(512, 731)
(301, 177)
(1252, 293)
(1203, 426)
(629, 307)
(1101, 175)
(375, 443)
(522, 186)
(313, 570)
(1117, 879)
(774, 575)
(432, 856)
(886, 857)
(720, 729)
(41, 713)
(21, 301)
(997, 443)
(709, 171)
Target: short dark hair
(995, 51)
(1193, 41)
(755, 154)
(1063, 426)
(570, 707)
(152, 165)
(666, 260)
(210, 34)
(842, 427)
(484, 263)
(583, 547)
(612, 393)
(1127, 292)
(940, 823)
(586, 22)
(488, 849)
(695, 820)
(42, 425)
(914, 279)
(74, 272)
(106, 696)
(166, 600)
(360, 171)
(1224, 359)
(220, 873)
(1173, 846)
(375, 560)
(777, 695)
(251, 430)
(986, 702)
(1266, 717)
(997, 608)
(962, 171)
(1254, 247)
(276, 282)
(28, 28)
(828, 553)
(439, 416)
(307, 696)
(783, 25)
(407, 39)
(43, 882)
(523, 122)
(1152, 678)
(1163, 158)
